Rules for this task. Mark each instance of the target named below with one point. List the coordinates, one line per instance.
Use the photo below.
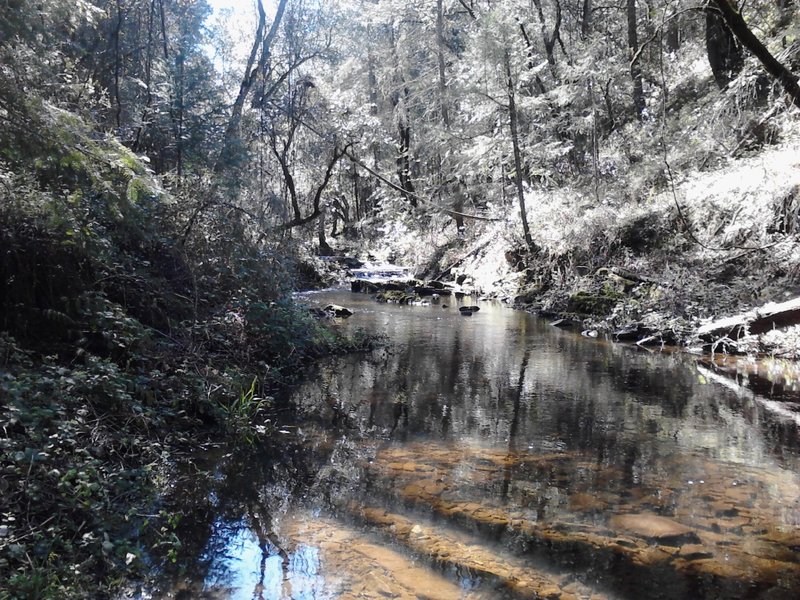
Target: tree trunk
(400, 102)
(586, 18)
(723, 49)
(759, 320)
(786, 11)
(748, 39)
(633, 55)
(455, 188)
(458, 207)
(518, 169)
(165, 43)
(117, 67)
(372, 82)
(148, 67)
(324, 247)
(549, 41)
(440, 57)
(316, 207)
(674, 34)
(404, 160)
(180, 100)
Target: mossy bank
(123, 345)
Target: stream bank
(654, 262)
(754, 350)
(612, 302)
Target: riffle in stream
(494, 456)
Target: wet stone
(464, 553)
(654, 527)
(586, 503)
(787, 538)
(695, 551)
(769, 550)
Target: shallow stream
(494, 456)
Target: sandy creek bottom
(493, 456)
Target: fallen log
(774, 315)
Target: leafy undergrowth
(125, 340)
(87, 443)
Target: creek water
(494, 456)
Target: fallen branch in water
(774, 315)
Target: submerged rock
(655, 527)
(396, 297)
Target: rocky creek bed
(498, 457)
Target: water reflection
(492, 457)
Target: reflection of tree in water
(600, 416)
(244, 491)
(514, 425)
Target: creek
(494, 456)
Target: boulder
(351, 262)
(362, 286)
(319, 313)
(338, 311)
(422, 290)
